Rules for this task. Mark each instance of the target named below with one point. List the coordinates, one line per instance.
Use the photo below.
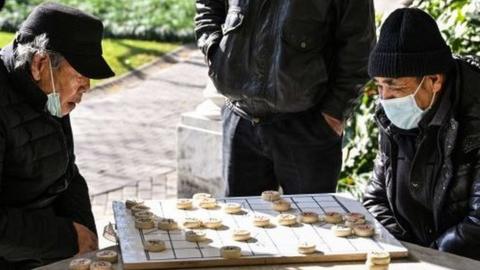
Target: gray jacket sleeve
(353, 40)
(208, 24)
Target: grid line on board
(147, 255)
(349, 239)
(312, 225)
(348, 211)
(236, 223)
(341, 204)
(168, 232)
(299, 210)
(264, 230)
(315, 228)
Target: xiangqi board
(272, 244)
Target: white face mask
(53, 105)
(404, 112)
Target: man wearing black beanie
(425, 186)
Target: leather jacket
(454, 192)
(287, 56)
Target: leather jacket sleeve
(464, 238)
(375, 196)
(208, 24)
(74, 203)
(354, 39)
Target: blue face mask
(54, 107)
(404, 112)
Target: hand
(87, 240)
(334, 123)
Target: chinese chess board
(273, 245)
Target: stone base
(199, 155)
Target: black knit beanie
(410, 44)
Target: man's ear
(38, 66)
(438, 80)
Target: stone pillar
(199, 147)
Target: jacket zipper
(393, 176)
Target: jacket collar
(445, 103)
(22, 81)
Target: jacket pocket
(233, 20)
(329, 131)
(303, 35)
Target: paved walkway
(125, 134)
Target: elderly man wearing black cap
(426, 181)
(45, 211)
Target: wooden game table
(274, 248)
(419, 258)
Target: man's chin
(68, 108)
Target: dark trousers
(300, 153)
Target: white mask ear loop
(433, 98)
(431, 103)
(415, 93)
(418, 87)
(51, 74)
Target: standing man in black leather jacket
(45, 211)
(291, 71)
(425, 187)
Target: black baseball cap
(71, 32)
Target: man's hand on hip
(87, 240)
(334, 123)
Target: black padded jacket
(454, 192)
(41, 190)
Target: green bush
(360, 145)
(459, 21)
(167, 20)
